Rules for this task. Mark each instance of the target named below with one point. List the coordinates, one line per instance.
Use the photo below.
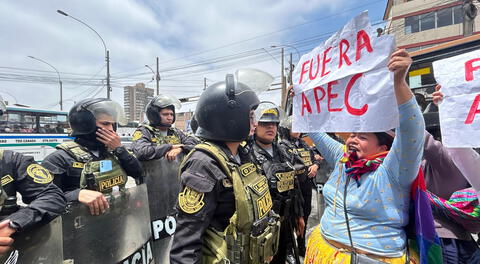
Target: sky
(193, 40)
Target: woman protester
(373, 174)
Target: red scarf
(356, 167)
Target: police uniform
(68, 162)
(224, 206)
(285, 190)
(148, 142)
(22, 174)
(307, 159)
(86, 163)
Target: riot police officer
(224, 205)
(277, 165)
(160, 148)
(307, 168)
(159, 139)
(22, 174)
(95, 163)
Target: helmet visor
(259, 81)
(107, 111)
(268, 112)
(163, 100)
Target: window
(427, 21)
(457, 14)
(53, 124)
(444, 17)
(440, 18)
(19, 122)
(411, 25)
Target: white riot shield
(162, 179)
(40, 245)
(120, 235)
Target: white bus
(33, 132)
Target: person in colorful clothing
(459, 167)
(373, 176)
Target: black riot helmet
(83, 115)
(223, 111)
(285, 127)
(194, 124)
(158, 103)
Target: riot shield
(120, 235)
(39, 245)
(162, 179)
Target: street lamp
(157, 76)
(59, 80)
(107, 52)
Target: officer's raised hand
(5, 240)
(96, 201)
(109, 138)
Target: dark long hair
(384, 139)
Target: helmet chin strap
(263, 141)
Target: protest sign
(459, 111)
(344, 85)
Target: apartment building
(135, 99)
(419, 24)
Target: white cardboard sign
(459, 111)
(343, 85)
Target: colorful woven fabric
(462, 208)
(320, 251)
(355, 167)
(422, 238)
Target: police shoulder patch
(190, 201)
(137, 135)
(39, 174)
(6, 179)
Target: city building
(135, 98)
(420, 24)
(182, 121)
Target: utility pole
(157, 78)
(204, 83)
(108, 75)
(284, 85)
(290, 72)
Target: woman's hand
(437, 95)
(399, 64)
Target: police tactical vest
(99, 175)
(253, 232)
(306, 161)
(280, 175)
(159, 139)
